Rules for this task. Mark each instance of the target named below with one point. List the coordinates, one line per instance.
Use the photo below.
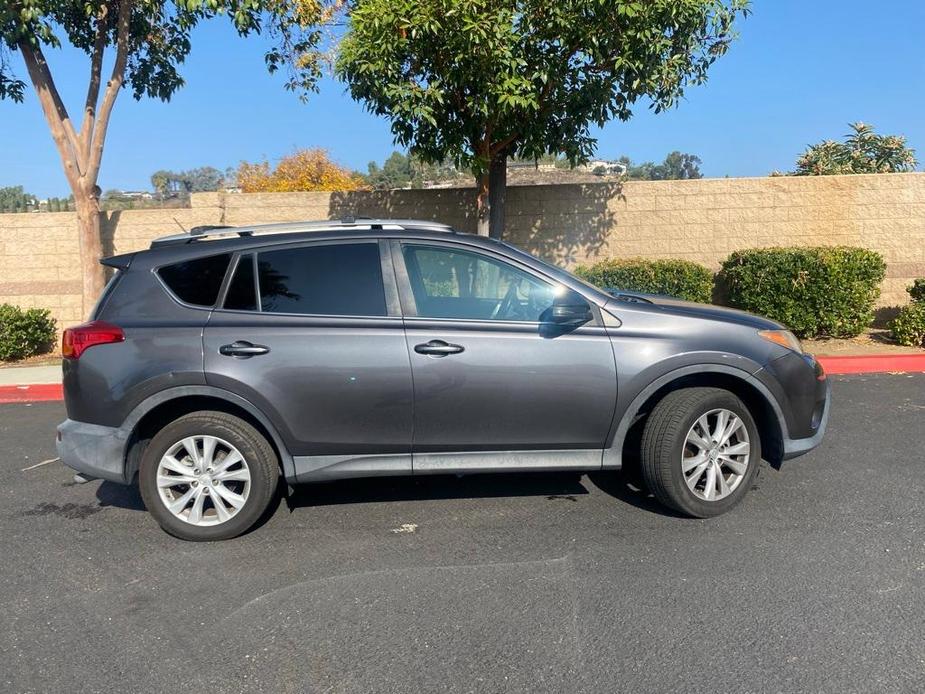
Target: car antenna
(180, 225)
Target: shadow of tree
(454, 206)
(561, 223)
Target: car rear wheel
(700, 451)
(208, 476)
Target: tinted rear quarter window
(242, 292)
(332, 280)
(197, 281)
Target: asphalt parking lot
(558, 583)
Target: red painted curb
(874, 363)
(39, 392)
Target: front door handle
(438, 348)
(242, 349)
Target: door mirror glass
(569, 309)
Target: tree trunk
(90, 244)
(82, 152)
(497, 185)
(482, 199)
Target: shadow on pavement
(120, 495)
(555, 486)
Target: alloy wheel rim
(203, 480)
(716, 455)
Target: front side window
(453, 283)
(332, 280)
(198, 281)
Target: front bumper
(94, 450)
(797, 447)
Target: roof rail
(223, 231)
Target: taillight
(82, 337)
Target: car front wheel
(700, 451)
(208, 476)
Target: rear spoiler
(119, 262)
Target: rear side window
(332, 280)
(198, 281)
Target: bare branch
(93, 90)
(113, 87)
(62, 130)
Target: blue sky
(801, 71)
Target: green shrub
(681, 279)
(24, 333)
(917, 291)
(908, 328)
(828, 291)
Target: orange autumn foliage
(303, 170)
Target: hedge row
(908, 328)
(24, 333)
(681, 279)
(828, 291)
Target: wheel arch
(768, 416)
(155, 412)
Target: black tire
(261, 461)
(663, 443)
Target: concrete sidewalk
(28, 375)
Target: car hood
(677, 307)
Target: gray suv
(219, 361)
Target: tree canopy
(407, 171)
(304, 170)
(677, 166)
(16, 199)
(203, 179)
(148, 41)
(477, 81)
(863, 151)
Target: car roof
(204, 241)
(201, 233)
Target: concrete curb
(833, 365)
(875, 363)
(36, 392)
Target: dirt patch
(874, 341)
(50, 359)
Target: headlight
(784, 338)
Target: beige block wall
(700, 220)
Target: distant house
(605, 167)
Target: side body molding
(613, 456)
(143, 408)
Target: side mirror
(568, 310)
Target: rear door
(312, 335)
(489, 374)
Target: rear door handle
(242, 349)
(438, 348)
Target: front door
(316, 345)
(489, 375)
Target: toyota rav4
(220, 361)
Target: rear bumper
(91, 449)
(797, 447)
